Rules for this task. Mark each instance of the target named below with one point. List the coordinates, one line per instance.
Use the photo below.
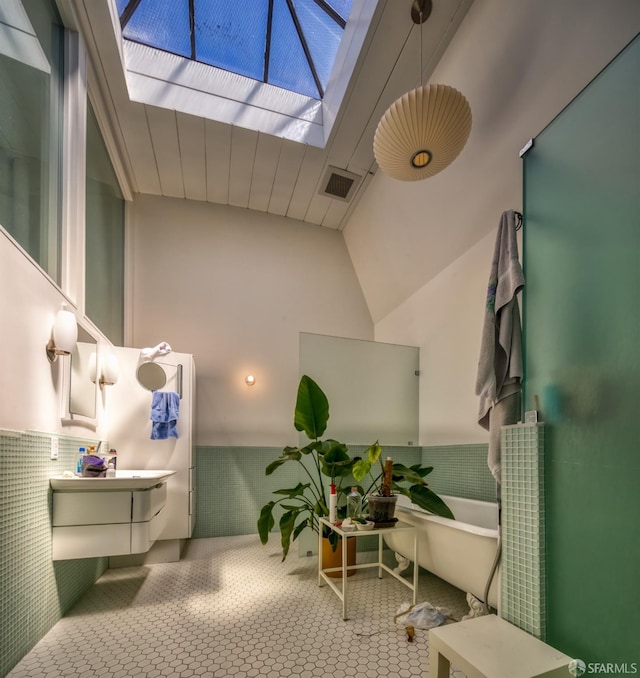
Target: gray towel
(500, 361)
(506, 411)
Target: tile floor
(230, 607)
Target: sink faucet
(112, 458)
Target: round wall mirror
(151, 376)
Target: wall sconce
(249, 380)
(110, 370)
(93, 367)
(64, 335)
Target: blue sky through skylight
(286, 43)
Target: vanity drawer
(146, 503)
(91, 508)
(144, 534)
(90, 541)
(107, 523)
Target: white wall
(519, 63)
(235, 288)
(31, 385)
(444, 318)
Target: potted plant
(323, 462)
(392, 479)
(329, 459)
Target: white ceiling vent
(339, 184)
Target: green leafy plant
(407, 480)
(303, 504)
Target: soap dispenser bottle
(81, 453)
(333, 503)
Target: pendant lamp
(425, 130)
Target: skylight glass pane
(342, 7)
(163, 24)
(288, 66)
(232, 35)
(322, 34)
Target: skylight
(279, 67)
(290, 44)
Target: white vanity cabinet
(130, 429)
(89, 524)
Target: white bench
(490, 647)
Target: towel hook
(518, 216)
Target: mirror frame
(144, 381)
(71, 418)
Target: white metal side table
(341, 592)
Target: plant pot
(331, 558)
(382, 510)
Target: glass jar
(354, 503)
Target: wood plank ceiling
(164, 152)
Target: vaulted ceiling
(517, 63)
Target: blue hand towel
(165, 406)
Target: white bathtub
(460, 551)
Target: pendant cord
(421, 83)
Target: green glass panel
(31, 103)
(104, 285)
(582, 358)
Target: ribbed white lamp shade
(422, 132)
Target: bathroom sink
(124, 480)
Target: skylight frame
(133, 5)
(166, 80)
